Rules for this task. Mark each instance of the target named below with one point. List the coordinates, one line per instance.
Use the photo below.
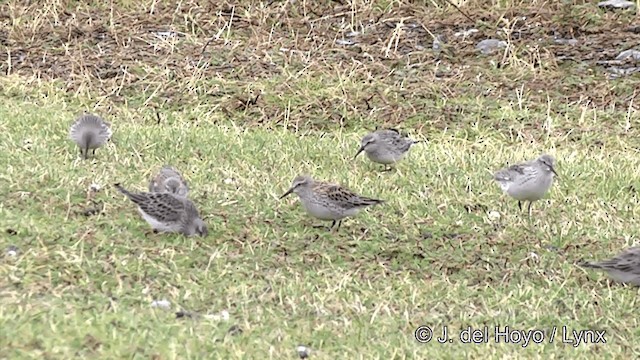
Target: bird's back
(390, 147)
(163, 206)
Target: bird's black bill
(554, 171)
(359, 151)
(287, 193)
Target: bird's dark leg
(530, 202)
(520, 205)
(93, 152)
(339, 223)
(387, 168)
(325, 227)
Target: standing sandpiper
(89, 132)
(327, 201)
(386, 146)
(527, 181)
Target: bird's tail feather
(90, 128)
(138, 198)
(371, 201)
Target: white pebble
(487, 46)
(163, 304)
(303, 351)
(466, 33)
(494, 215)
(344, 42)
(223, 316)
(12, 253)
(95, 187)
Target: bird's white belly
(155, 224)
(386, 158)
(624, 277)
(321, 212)
(532, 191)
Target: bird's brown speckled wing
(345, 198)
(162, 206)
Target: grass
(82, 286)
(434, 254)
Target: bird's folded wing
(163, 206)
(347, 199)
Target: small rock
(12, 250)
(616, 4)
(631, 53)
(352, 33)
(493, 215)
(345, 42)
(303, 351)
(488, 46)
(617, 72)
(95, 187)
(163, 304)
(571, 42)
(465, 33)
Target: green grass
(82, 286)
